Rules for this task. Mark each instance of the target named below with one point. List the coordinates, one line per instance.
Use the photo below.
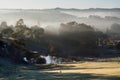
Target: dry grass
(99, 68)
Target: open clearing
(73, 71)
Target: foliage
(73, 38)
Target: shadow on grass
(37, 73)
(57, 67)
(59, 76)
(53, 67)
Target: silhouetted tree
(3, 24)
(7, 32)
(79, 38)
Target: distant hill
(99, 17)
(34, 15)
(90, 9)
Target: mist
(52, 18)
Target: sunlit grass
(105, 68)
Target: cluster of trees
(73, 38)
(78, 35)
(21, 31)
(13, 40)
(114, 31)
(115, 28)
(82, 39)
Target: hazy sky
(41, 4)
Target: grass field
(73, 71)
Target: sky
(43, 4)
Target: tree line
(73, 39)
